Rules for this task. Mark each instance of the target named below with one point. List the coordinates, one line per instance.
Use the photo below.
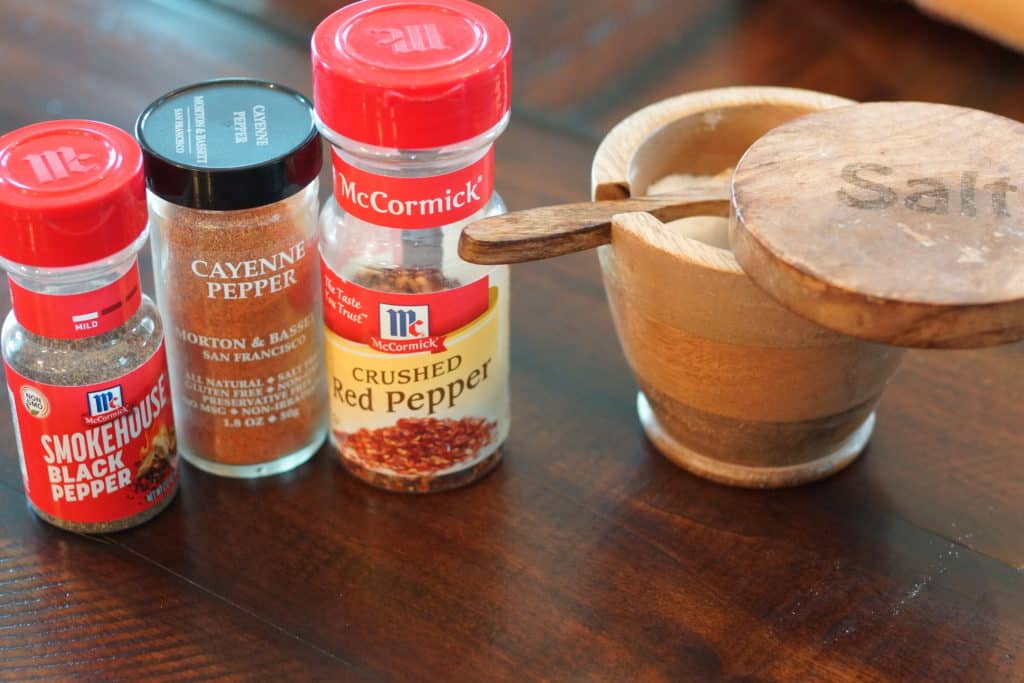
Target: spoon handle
(549, 231)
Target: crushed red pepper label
(392, 322)
(417, 381)
(100, 452)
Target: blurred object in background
(1001, 20)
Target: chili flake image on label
(416, 381)
(419, 446)
(97, 453)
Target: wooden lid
(898, 222)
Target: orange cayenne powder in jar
(232, 168)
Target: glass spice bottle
(83, 346)
(412, 97)
(232, 169)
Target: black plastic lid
(229, 144)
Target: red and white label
(399, 323)
(409, 203)
(101, 452)
(74, 316)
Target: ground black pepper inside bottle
(83, 346)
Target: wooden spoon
(566, 228)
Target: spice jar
(232, 168)
(83, 346)
(412, 96)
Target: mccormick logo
(405, 329)
(104, 401)
(381, 202)
(414, 202)
(414, 38)
(56, 164)
(404, 322)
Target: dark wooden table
(586, 555)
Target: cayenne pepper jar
(83, 346)
(412, 96)
(232, 170)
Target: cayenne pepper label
(76, 316)
(412, 202)
(416, 381)
(101, 452)
(239, 302)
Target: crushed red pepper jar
(412, 97)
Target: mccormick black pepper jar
(412, 97)
(232, 168)
(83, 346)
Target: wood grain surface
(736, 388)
(549, 231)
(891, 221)
(586, 555)
(693, 135)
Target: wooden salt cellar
(881, 225)
(734, 387)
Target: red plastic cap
(411, 75)
(71, 192)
